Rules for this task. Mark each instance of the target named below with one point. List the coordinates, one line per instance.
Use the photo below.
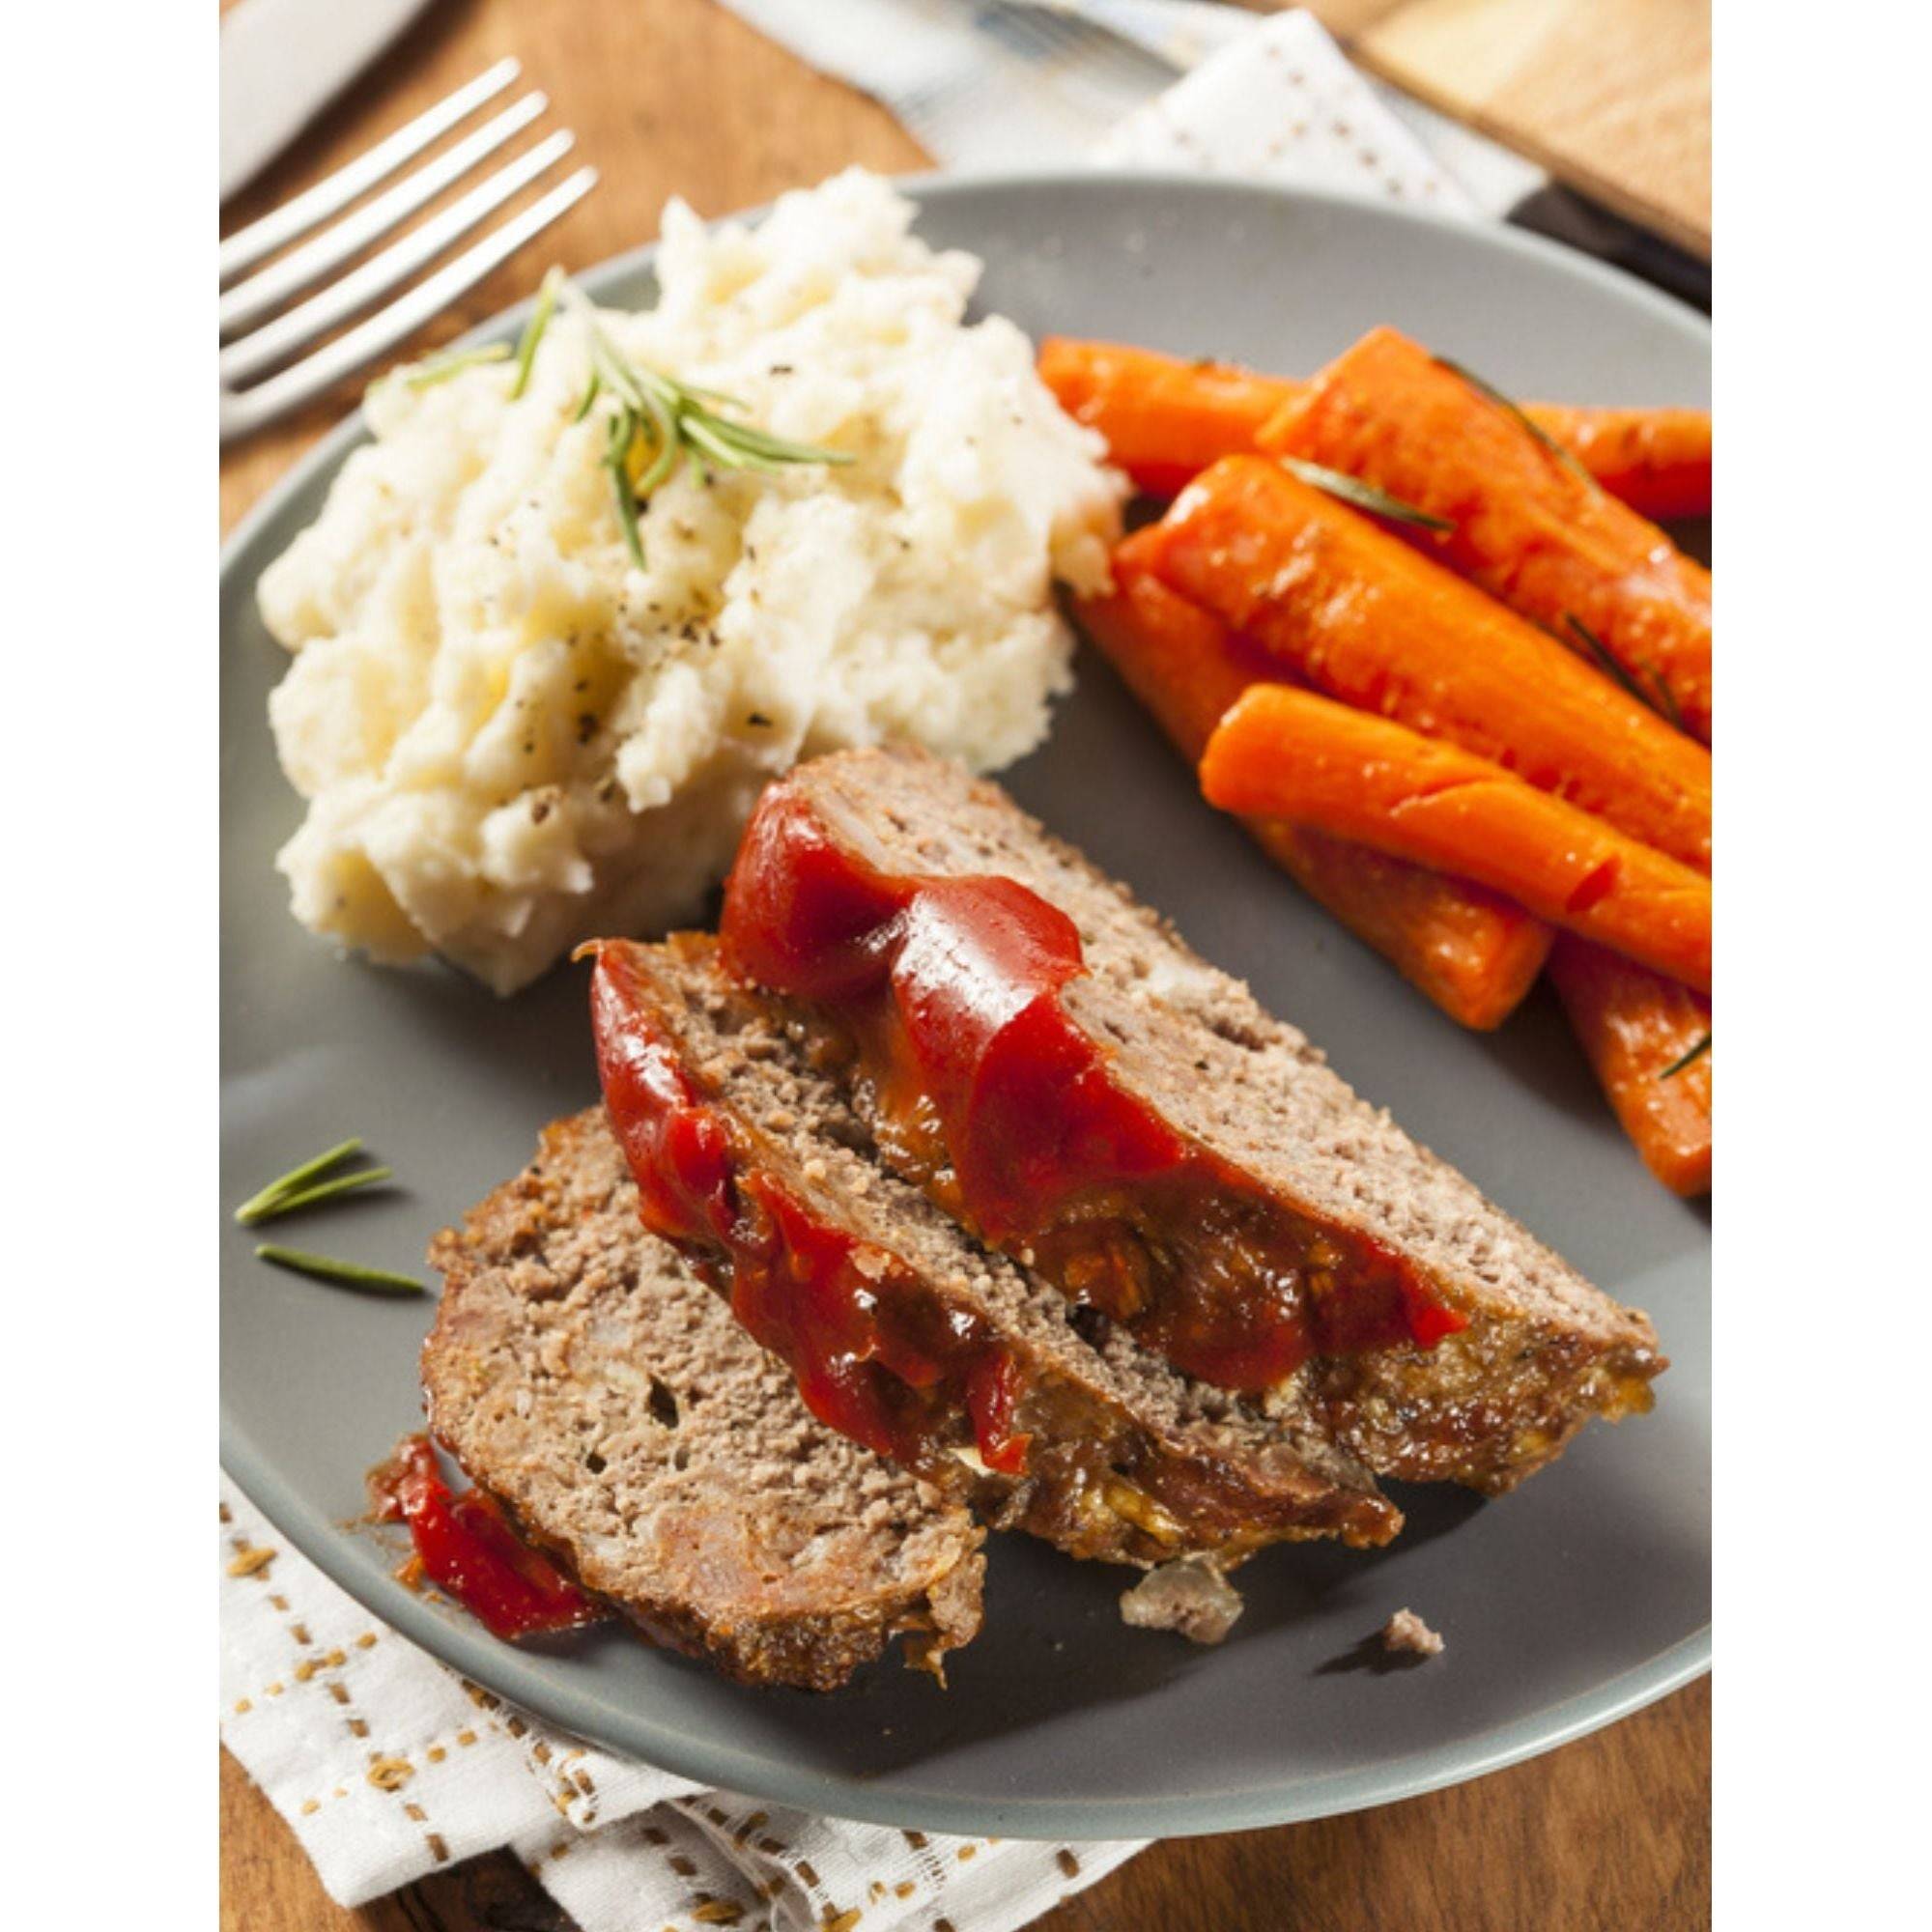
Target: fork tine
(377, 275)
(276, 284)
(261, 239)
(349, 351)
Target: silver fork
(246, 298)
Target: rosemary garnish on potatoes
(1363, 496)
(434, 369)
(658, 422)
(533, 331)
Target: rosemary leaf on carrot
(1659, 696)
(1690, 1059)
(1364, 495)
(1502, 402)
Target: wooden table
(678, 97)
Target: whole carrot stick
(1166, 420)
(1473, 954)
(1636, 1027)
(1518, 516)
(1285, 753)
(1363, 616)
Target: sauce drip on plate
(469, 1552)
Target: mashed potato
(511, 738)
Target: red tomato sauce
(951, 990)
(469, 1552)
(876, 1356)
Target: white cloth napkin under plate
(388, 1767)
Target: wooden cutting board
(1613, 97)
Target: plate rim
(524, 1680)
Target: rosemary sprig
(269, 1201)
(1364, 495)
(1564, 455)
(533, 331)
(621, 434)
(328, 1190)
(344, 1274)
(1663, 702)
(1690, 1059)
(657, 422)
(453, 362)
(1667, 699)
(1604, 662)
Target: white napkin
(386, 1765)
(1283, 104)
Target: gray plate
(1565, 1605)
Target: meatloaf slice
(905, 1333)
(1286, 1194)
(634, 1431)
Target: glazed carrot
(1523, 521)
(1635, 1025)
(1166, 420)
(1286, 753)
(1358, 614)
(1473, 954)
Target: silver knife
(283, 61)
